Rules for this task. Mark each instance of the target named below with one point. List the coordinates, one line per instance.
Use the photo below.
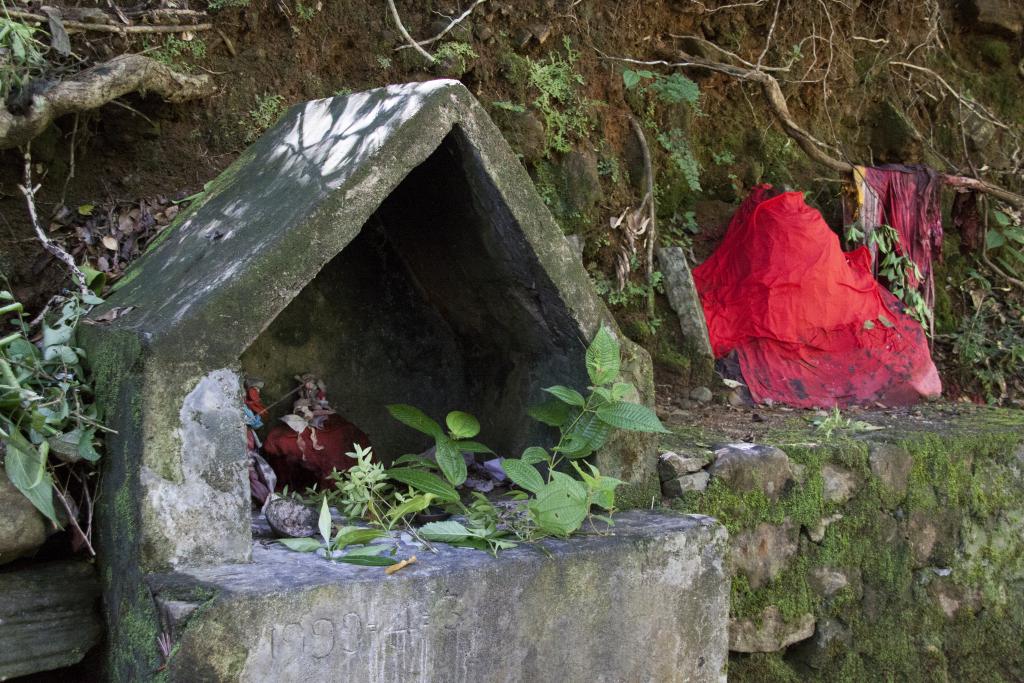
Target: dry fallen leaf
(110, 243)
(110, 316)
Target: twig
(71, 164)
(652, 210)
(704, 8)
(167, 13)
(29, 190)
(873, 41)
(113, 28)
(405, 34)
(426, 544)
(988, 262)
(970, 104)
(707, 43)
(56, 298)
(771, 32)
(143, 13)
(227, 43)
(89, 507)
(118, 12)
(998, 270)
(401, 565)
(443, 33)
(73, 518)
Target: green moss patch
(935, 573)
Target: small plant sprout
(334, 543)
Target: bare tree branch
(454, 22)
(29, 189)
(812, 147)
(405, 34)
(711, 10)
(976, 108)
(72, 26)
(94, 87)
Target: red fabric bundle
(809, 324)
(909, 201)
(300, 464)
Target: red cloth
(909, 200)
(781, 293)
(299, 464)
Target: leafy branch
(47, 418)
(550, 502)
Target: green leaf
(630, 78)
(57, 336)
(885, 321)
(27, 471)
(473, 447)
(523, 475)
(631, 416)
(444, 532)
(414, 504)
(602, 493)
(551, 412)
(426, 482)
(324, 523)
(474, 542)
(368, 550)
(577, 487)
(410, 459)
(367, 560)
(534, 455)
(413, 417)
(603, 358)
(61, 353)
(994, 239)
(567, 395)
(355, 535)
(86, 209)
(593, 431)
(66, 444)
(450, 460)
(86, 446)
(620, 390)
(571, 443)
(676, 89)
(462, 425)
(560, 507)
(301, 545)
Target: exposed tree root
(94, 87)
(814, 148)
(73, 26)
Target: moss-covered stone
(647, 601)
(933, 569)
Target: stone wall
(894, 555)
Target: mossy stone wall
(909, 556)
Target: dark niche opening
(439, 302)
